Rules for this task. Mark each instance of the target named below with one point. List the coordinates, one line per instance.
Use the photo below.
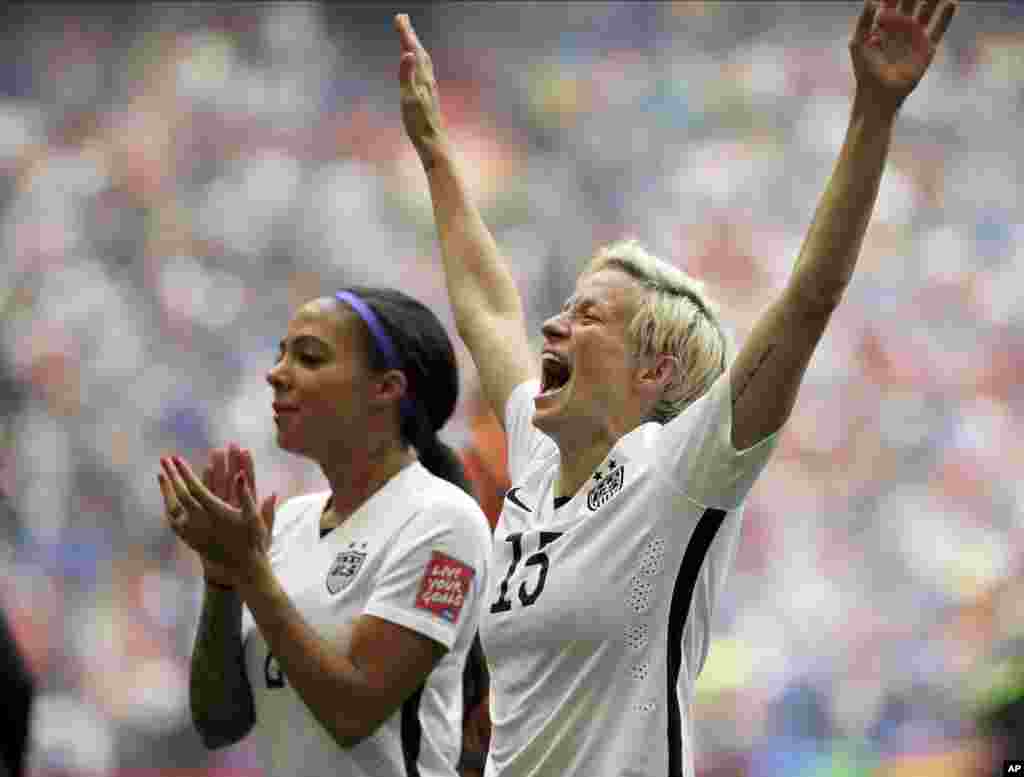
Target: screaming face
(588, 366)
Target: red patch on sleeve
(445, 586)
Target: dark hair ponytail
(431, 372)
(427, 358)
(437, 457)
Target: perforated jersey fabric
(598, 617)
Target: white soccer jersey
(598, 617)
(414, 554)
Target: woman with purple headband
(337, 625)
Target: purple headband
(381, 339)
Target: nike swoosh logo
(511, 496)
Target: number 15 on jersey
(533, 586)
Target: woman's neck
(359, 475)
(576, 469)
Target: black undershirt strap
(324, 532)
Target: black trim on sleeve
(476, 683)
(19, 694)
(412, 733)
(682, 596)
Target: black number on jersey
(538, 559)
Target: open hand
(421, 105)
(230, 534)
(221, 469)
(893, 45)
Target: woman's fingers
(248, 468)
(234, 466)
(186, 482)
(208, 470)
(406, 33)
(182, 498)
(172, 507)
(405, 69)
(414, 56)
(866, 21)
(943, 24)
(219, 472)
(243, 493)
(252, 514)
(925, 11)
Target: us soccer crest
(607, 485)
(344, 569)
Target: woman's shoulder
(301, 502)
(439, 497)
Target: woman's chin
(548, 409)
(285, 442)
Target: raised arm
(482, 292)
(891, 48)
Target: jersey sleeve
(526, 443)
(433, 580)
(700, 459)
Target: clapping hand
(222, 468)
(893, 45)
(217, 516)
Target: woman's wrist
(258, 579)
(217, 585)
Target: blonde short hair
(674, 317)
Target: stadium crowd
(176, 178)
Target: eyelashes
(307, 360)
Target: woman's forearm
(478, 279)
(830, 250)
(219, 693)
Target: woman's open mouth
(555, 374)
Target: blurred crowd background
(175, 178)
